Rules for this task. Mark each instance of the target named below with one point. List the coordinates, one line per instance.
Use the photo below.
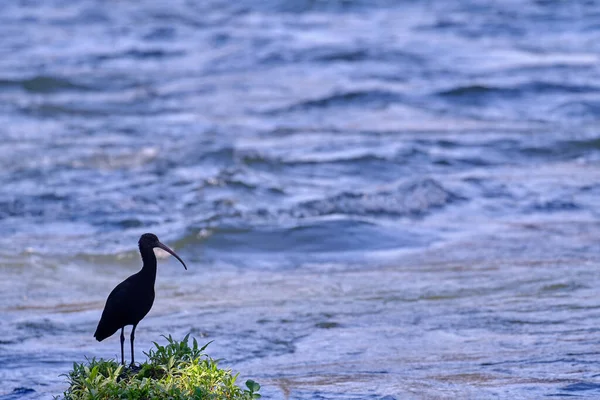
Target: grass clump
(175, 371)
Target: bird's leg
(122, 342)
(132, 338)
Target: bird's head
(150, 241)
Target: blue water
(376, 199)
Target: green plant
(175, 371)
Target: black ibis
(131, 299)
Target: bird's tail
(103, 331)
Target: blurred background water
(376, 199)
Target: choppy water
(376, 199)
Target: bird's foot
(135, 368)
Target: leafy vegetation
(175, 371)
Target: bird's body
(132, 299)
(127, 304)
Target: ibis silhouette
(130, 300)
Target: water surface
(376, 200)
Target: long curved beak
(171, 252)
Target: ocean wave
(413, 199)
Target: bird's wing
(115, 311)
(118, 299)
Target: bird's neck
(149, 267)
